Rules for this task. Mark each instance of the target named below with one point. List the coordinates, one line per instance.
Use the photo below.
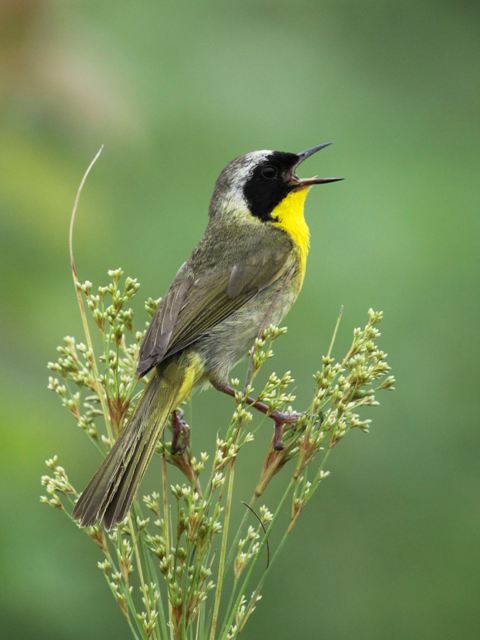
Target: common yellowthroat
(248, 267)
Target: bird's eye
(269, 172)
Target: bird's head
(254, 184)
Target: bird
(247, 269)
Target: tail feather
(125, 492)
(110, 492)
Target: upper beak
(303, 155)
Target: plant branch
(83, 315)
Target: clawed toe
(180, 433)
(282, 419)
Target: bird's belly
(230, 340)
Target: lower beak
(303, 155)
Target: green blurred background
(390, 545)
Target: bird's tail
(110, 492)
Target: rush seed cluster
(174, 567)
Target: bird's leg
(180, 432)
(279, 418)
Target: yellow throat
(289, 216)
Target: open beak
(303, 155)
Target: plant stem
(150, 571)
(166, 521)
(144, 587)
(233, 546)
(223, 551)
(86, 330)
(335, 331)
(250, 569)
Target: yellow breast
(289, 216)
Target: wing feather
(201, 297)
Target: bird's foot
(180, 433)
(281, 419)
